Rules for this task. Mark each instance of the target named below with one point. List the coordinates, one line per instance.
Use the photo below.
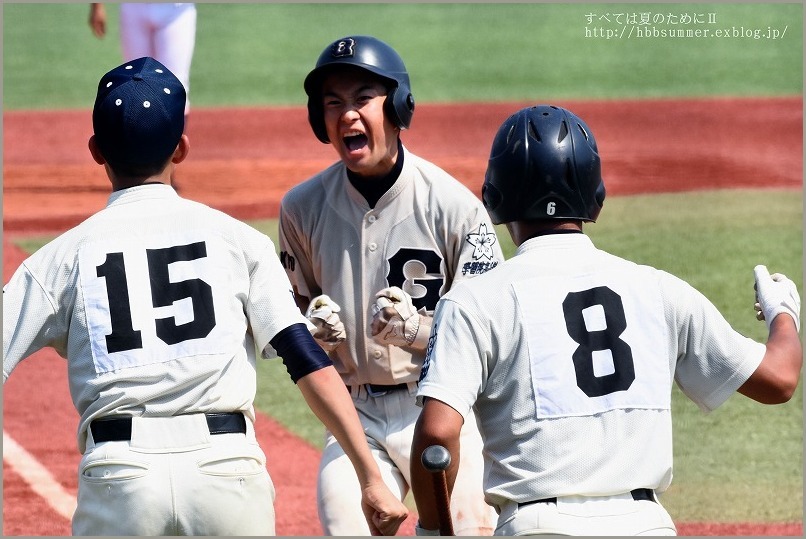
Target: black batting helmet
(373, 55)
(544, 164)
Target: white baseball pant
(589, 516)
(175, 478)
(166, 32)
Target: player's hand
(775, 294)
(383, 510)
(97, 20)
(323, 313)
(395, 321)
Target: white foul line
(38, 477)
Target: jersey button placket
(369, 219)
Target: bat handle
(436, 460)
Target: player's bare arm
(301, 301)
(778, 304)
(439, 424)
(326, 396)
(97, 19)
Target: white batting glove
(329, 331)
(395, 321)
(775, 294)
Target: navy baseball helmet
(544, 164)
(139, 113)
(370, 54)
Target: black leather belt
(637, 494)
(116, 429)
(376, 390)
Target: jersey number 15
(163, 293)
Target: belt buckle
(373, 393)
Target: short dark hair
(136, 170)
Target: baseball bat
(436, 459)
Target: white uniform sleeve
(271, 306)
(29, 320)
(456, 365)
(713, 359)
(294, 257)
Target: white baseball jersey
(424, 234)
(158, 304)
(164, 31)
(568, 355)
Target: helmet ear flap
(399, 106)
(492, 199)
(316, 117)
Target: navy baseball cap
(139, 113)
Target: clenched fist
(397, 322)
(323, 313)
(775, 294)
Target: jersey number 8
(605, 339)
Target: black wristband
(300, 352)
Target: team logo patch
(482, 242)
(343, 48)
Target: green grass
(258, 54)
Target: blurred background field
(258, 54)
(743, 462)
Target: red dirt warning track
(243, 160)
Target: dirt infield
(242, 161)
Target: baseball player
(567, 354)
(370, 244)
(165, 31)
(159, 305)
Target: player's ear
(181, 151)
(95, 151)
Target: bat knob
(436, 458)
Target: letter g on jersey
(419, 273)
